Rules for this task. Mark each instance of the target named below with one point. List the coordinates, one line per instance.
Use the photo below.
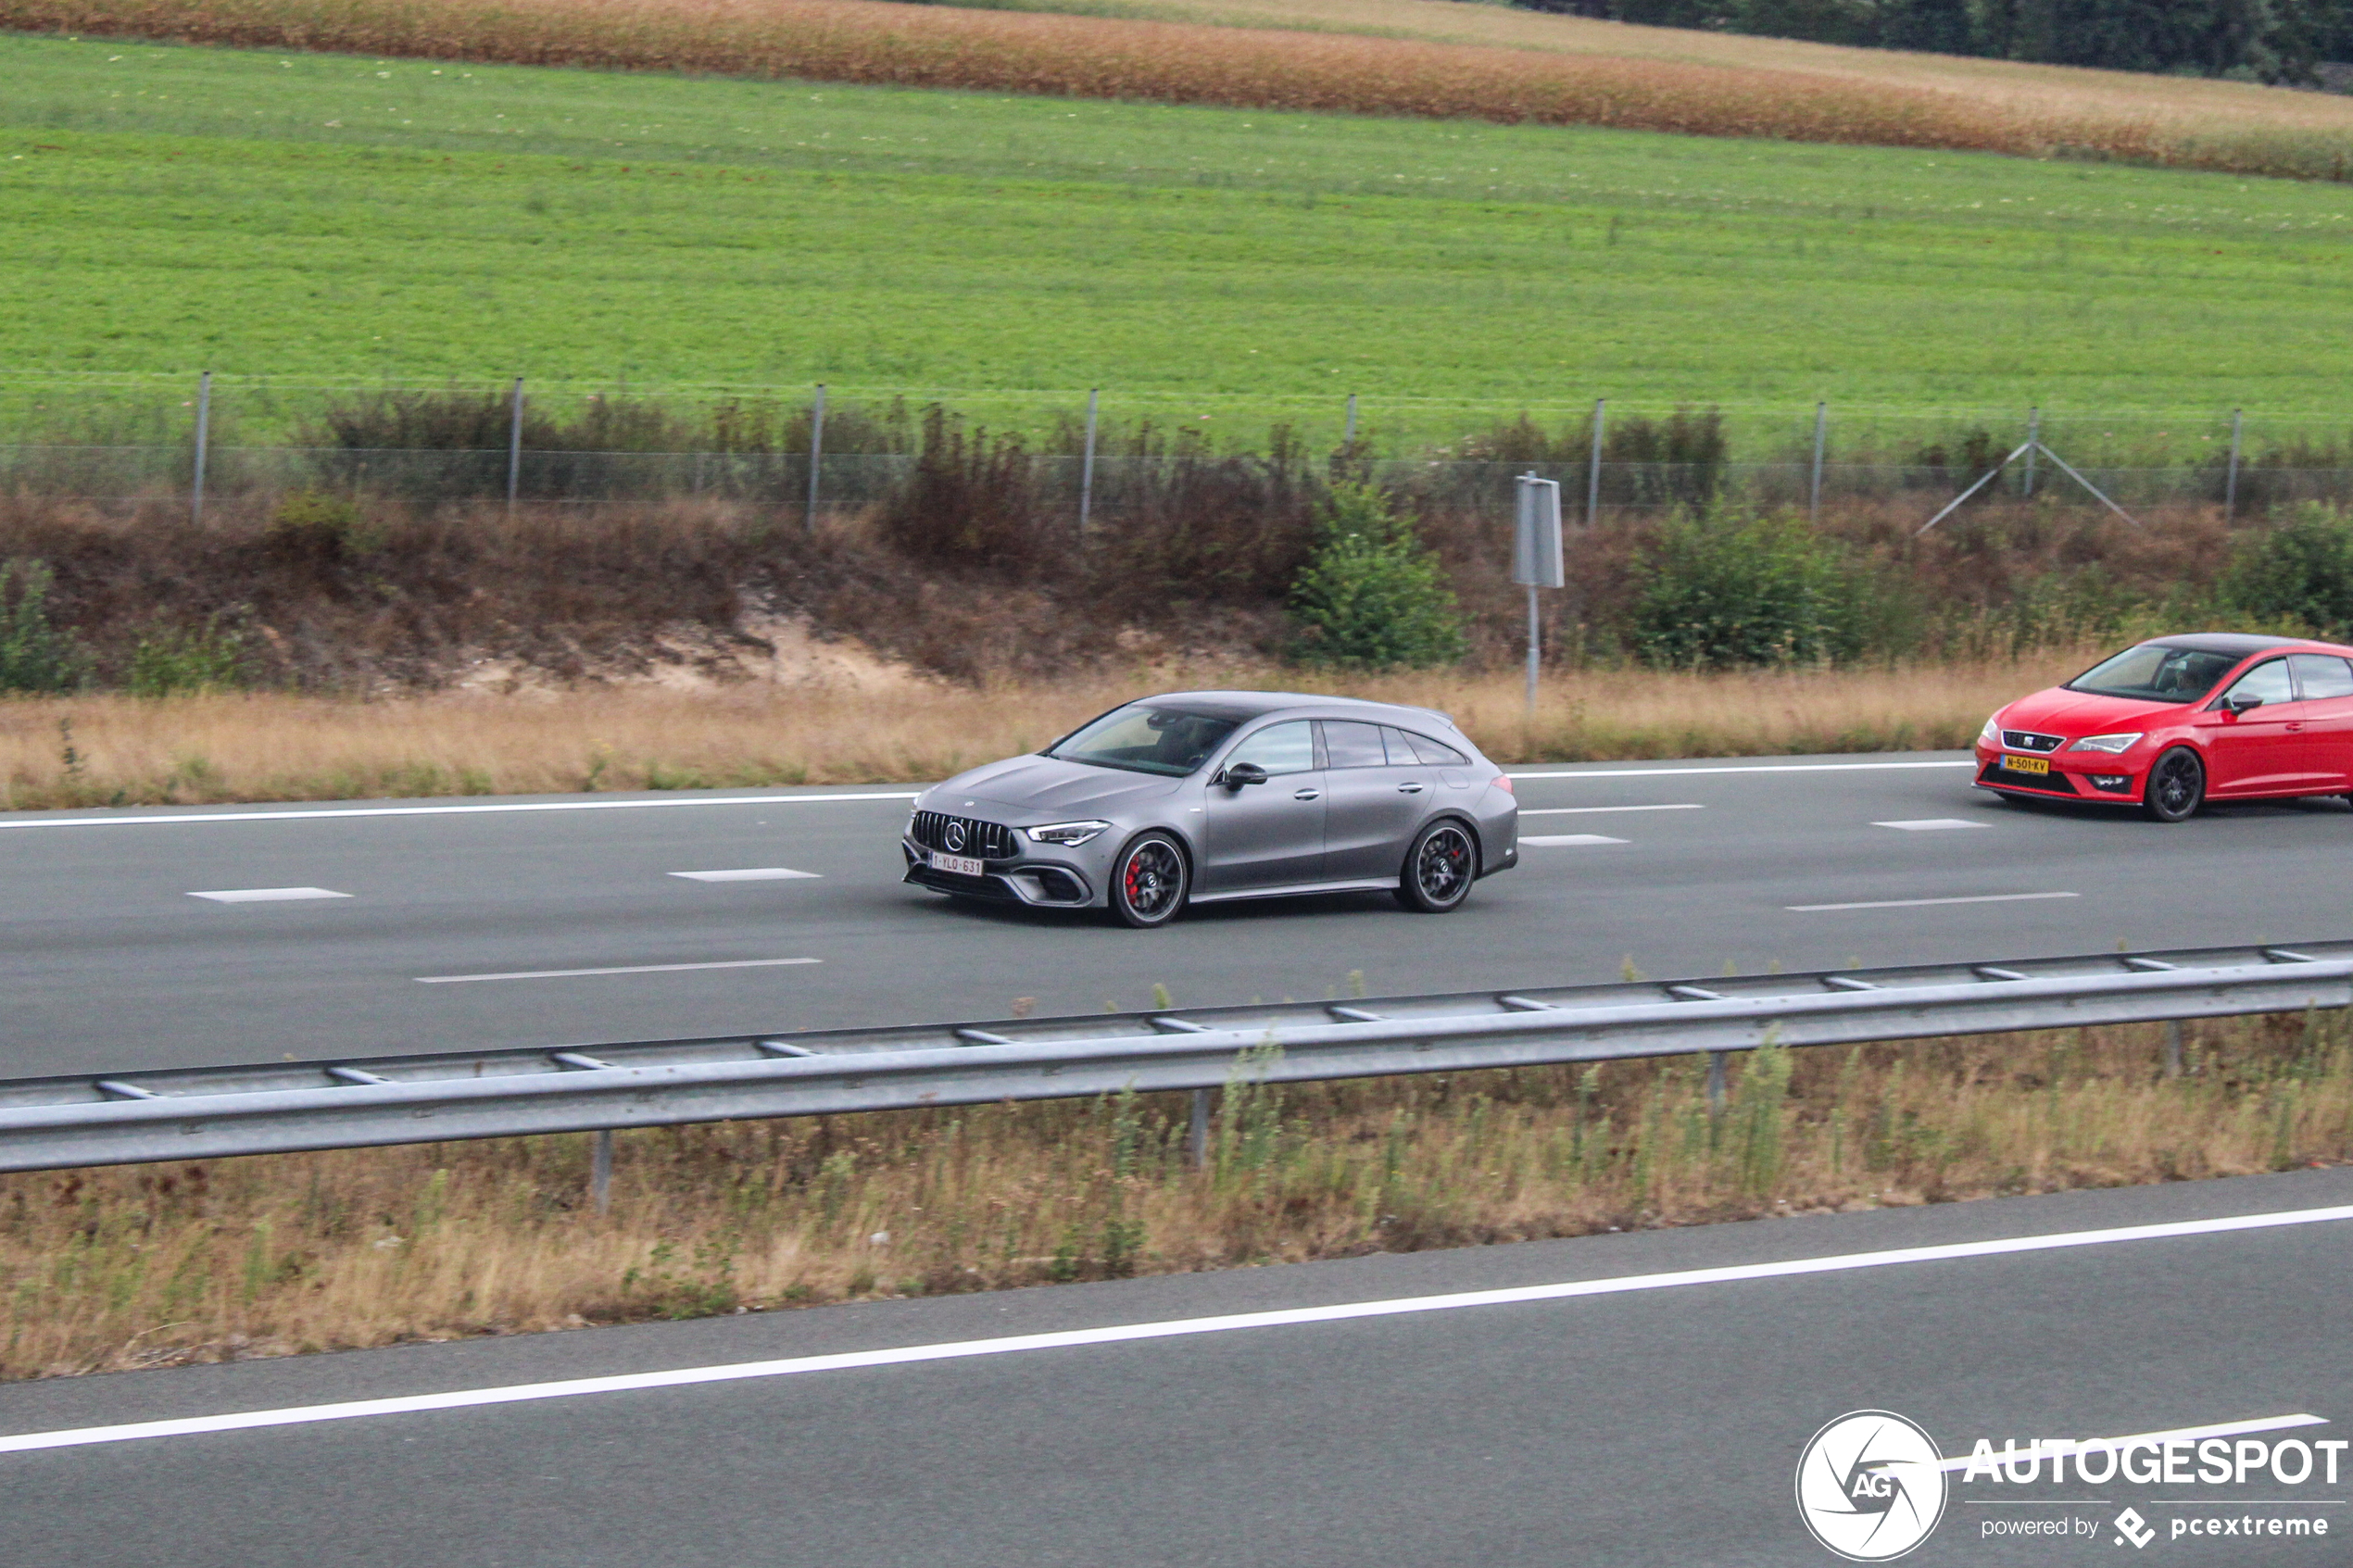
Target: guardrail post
(1197, 1135)
(600, 1173)
(1715, 1083)
(2173, 1049)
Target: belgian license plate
(956, 865)
(2027, 764)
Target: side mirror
(1242, 773)
(2240, 702)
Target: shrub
(314, 526)
(1371, 597)
(199, 658)
(2302, 570)
(1715, 591)
(34, 655)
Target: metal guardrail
(209, 1113)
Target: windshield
(2157, 672)
(1147, 740)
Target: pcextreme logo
(1871, 1485)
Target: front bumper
(2092, 776)
(1021, 880)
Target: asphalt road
(108, 962)
(1658, 1427)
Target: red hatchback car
(2177, 721)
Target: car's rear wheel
(1440, 869)
(2176, 786)
(1149, 881)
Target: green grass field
(323, 219)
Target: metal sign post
(1537, 560)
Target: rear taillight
(1503, 782)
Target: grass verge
(153, 1265)
(85, 751)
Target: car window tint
(1279, 748)
(2267, 681)
(1350, 744)
(1148, 740)
(2321, 675)
(1437, 754)
(1399, 747)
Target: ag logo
(1869, 1486)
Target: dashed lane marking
(1932, 824)
(1567, 840)
(624, 969)
(268, 894)
(750, 873)
(1924, 903)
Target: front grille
(2027, 740)
(987, 841)
(2052, 782)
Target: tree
(1371, 597)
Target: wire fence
(109, 440)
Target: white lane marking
(1567, 840)
(268, 894)
(629, 969)
(1932, 824)
(752, 873)
(1923, 903)
(1170, 1329)
(448, 811)
(2068, 1447)
(1589, 811)
(1765, 768)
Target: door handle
(1308, 795)
(2294, 725)
(1409, 789)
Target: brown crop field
(1514, 78)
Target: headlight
(1065, 832)
(1992, 733)
(2109, 744)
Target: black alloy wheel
(1150, 881)
(1440, 869)
(2176, 786)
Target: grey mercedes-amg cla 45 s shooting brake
(1203, 796)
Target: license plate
(2027, 764)
(956, 865)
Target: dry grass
(1543, 71)
(873, 726)
(158, 1265)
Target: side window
(1350, 744)
(2320, 675)
(2266, 682)
(1399, 747)
(1279, 748)
(1436, 754)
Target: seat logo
(1870, 1485)
(953, 834)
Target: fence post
(1821, 435)
(1593, 467)
(816, 452)
(514, 445)
(2033, 441)
(1087, 471)
(1348, 441)
(1197, 1135)
(600, 1172)
(2231, 485)
(204, 432)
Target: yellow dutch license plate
(2027, 764)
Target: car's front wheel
(2176, 786)
(1150, 881)
(1440, 869)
